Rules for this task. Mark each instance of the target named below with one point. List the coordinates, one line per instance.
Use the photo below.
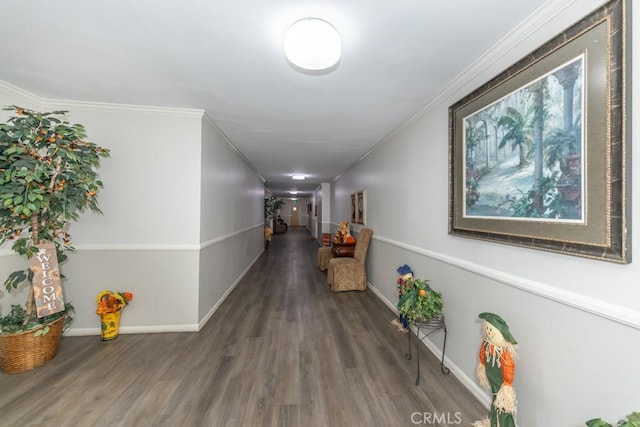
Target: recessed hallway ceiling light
(298, 177)
(312, 44)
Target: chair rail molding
(590, 305)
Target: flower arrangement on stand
(110, 305)
(418, 302)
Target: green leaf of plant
(409, 295)
(634, 417)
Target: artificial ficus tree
(271, 205)
(48, 176)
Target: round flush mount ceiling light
(312, 44)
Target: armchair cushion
(323, 257)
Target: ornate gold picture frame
(540, 155)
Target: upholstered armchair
(323, 257)
(349, 274)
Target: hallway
(281, 350)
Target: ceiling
(226, 58)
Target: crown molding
(8, 87)
(102, 107)
(212, 122)
(105, 107)
(508, 43)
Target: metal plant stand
(432, 325)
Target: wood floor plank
(282, 350)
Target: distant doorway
(295, 216)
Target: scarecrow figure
(406, 274)
(496, 371)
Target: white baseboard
(77, 332)
(167, 328)
(215, 307)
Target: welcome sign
(47, 288)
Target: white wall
(310, 219)
(323, 200)
(231, 222)
(146, 241)
(164, 235)
(577, 320)
(316, 225)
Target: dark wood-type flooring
(281, 350)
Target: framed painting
(539, 156)
(354, 208)
(360, 211)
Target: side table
(435, 324)
(343, 249)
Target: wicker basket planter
(22, 351)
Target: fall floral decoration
(418, 302)
(343, 233)
(111, 302)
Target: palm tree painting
(524, 153)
